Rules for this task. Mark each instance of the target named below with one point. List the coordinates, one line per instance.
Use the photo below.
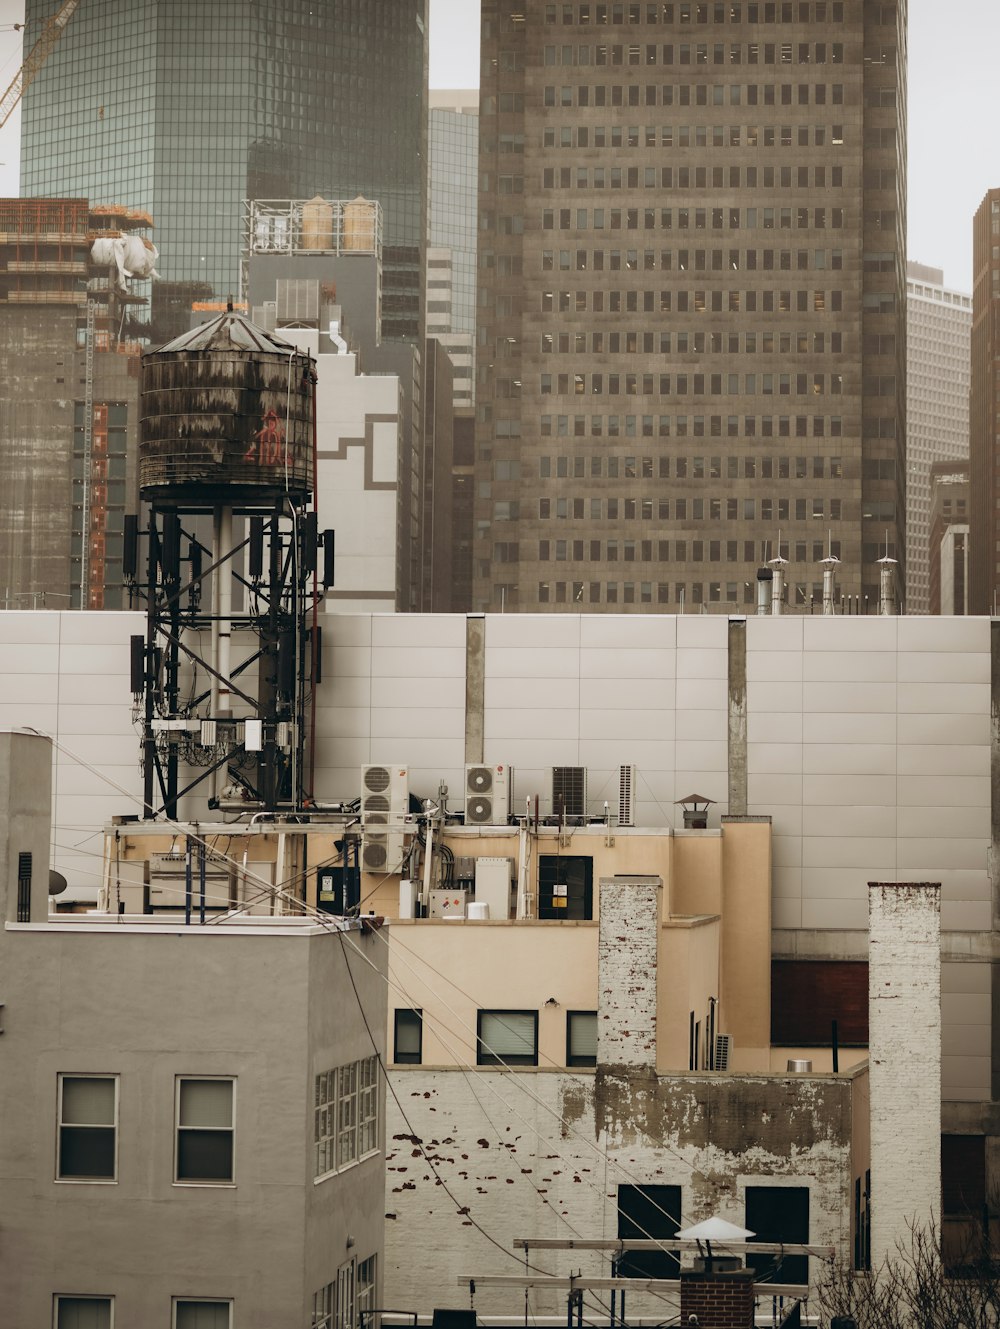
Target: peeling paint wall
(542, 1154)
(626, 971)
(904, 1002)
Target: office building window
(345, 1115)
(84, 1312)
(88, 1128)
(202, 1314)
(408, 1037)
(507, 1038)
(581, 1038)
(205, 1131)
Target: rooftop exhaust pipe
(765, 584)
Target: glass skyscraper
(185, 108)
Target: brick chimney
(720, 1299)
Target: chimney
(887, 586)
(765, 583)
(829, 566)
(904, 1041)
(626, 971)
(717, 1299)
(778, 585)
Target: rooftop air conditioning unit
(487, 795)
(626, 795)
(382, 851)
(385, 795)
(569, 791)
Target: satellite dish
(57, 882)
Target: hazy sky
(954, 157)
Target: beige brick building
(691, 301)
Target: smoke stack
(778, 584)
(887, 586)
(765, 585)
(829, 566)
(904, 1007)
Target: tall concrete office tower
(185, 110)
(691, 308)
(938, 325)
(984, 434)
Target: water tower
(225, 675)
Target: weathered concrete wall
(543, 1154)
(626, 971)
(904, 987)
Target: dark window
(862, 1222)
(83, 1312)
(778, 1213)
(205, 1131)
(963, 1175)
(581, 1038)
(408, 1040)
(644, 1212)
(565, 886)
(808, 995)
(507, 1038)
(88, 1119)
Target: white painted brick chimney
(626, 971)
(904, 1011)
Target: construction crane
(36, 57)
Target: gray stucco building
(193, 1117)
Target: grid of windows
(300, 99)
(726, 254)
(345, 1115)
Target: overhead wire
(268, 891)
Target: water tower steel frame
(228, 429)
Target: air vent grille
(723, 1050)
(569, 791)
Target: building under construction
(69, 382)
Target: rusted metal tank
(226, 417)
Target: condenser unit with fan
(385, 800)
(382, 850)
(385, 794)
(488, 791)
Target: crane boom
(36, 57)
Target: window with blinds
(507, 1038)
(581, 1038)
